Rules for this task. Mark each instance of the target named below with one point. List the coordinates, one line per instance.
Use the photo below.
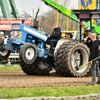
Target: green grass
(10, 68)
(50, 91)
(46, 91)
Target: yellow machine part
(64, 32)
(91, 6)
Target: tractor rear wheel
(41, 68)
(36, 68)
(27, 68)
(71, 55)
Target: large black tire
(36, 68)
(69, 56)
(28, 53)
(27, 68)
(41, 68)
(5, 53)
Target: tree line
(46, 20)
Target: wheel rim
(30, 53)
(41, 65)
(4, 52)
(75, 59)
(79, 57)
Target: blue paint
(98, 7)
(87, 3)
(41, 52)
(17, 42)
(30, 30)
(8, 47)
(29, 53)
(30, 35)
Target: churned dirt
(13, 79)
(18, 79)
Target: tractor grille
(16, 35)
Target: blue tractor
(32, 55)
(34, 59)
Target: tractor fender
(61, 41)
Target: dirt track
(12, 79)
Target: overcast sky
(29, 5)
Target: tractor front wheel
(30, 63)
(28, 53)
